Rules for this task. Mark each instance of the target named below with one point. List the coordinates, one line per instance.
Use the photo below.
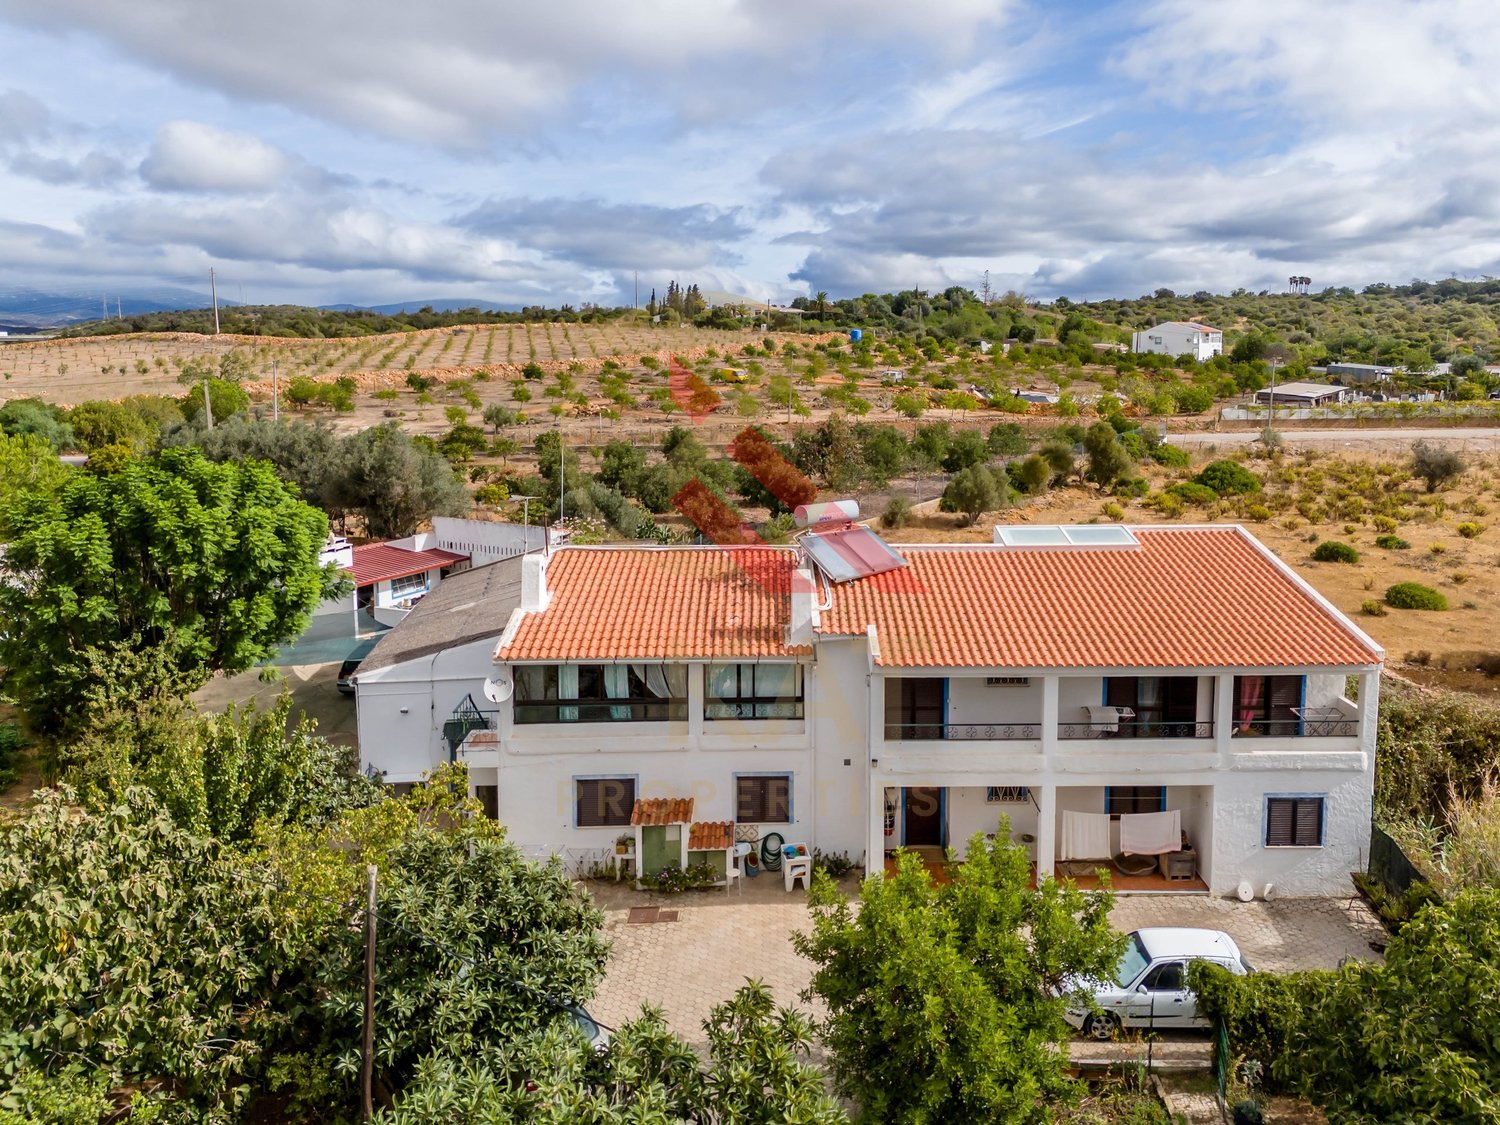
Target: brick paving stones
(687, 966)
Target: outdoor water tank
(856, 335)
(831, 511)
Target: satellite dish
(498, 691)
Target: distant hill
(456, 304)
(32, 309)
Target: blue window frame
(1294, 820)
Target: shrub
(1470, 530)
(1385, 524)
(1371, 608)
(1191, 492)
(1331, 550)
(1413, 595)
(1172, 456)
(1259, 513)
(1228, 478)
(897, 512)
(1113, 511)
(10, 750)
(1435, 465)
(1391, 542)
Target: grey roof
(467, 606)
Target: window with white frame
(600, 693)
(763, 799)
(411, 584)
(1294, 822)
(753, 691)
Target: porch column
(1049, 721)
(875, 854)
(1224, 717)
(1046, 832)
(695, 675)
(1369, 702)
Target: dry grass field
(1457, 648)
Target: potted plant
(624, 844)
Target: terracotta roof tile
(1189, 597)
(379, 562)
(662, 810)
(661, 604)
(711, 835)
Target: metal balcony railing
(1309, 727)
(1137, 728)
(960, 732)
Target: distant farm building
(1180, 337)
(1301, 394)
(1359, 374)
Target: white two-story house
(1081, 681)
(1179, 337)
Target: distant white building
(1180, 337)
(1301, 394)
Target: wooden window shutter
(604, 802)
(1281, 814)
(1309, 828)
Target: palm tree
(822, 302)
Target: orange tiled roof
(711, 835)
(661, 604)
(1199, 597)
(662, 810)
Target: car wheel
(1103, 1027)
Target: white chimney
(534, 595)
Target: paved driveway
(687, 966)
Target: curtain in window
(567, 688)
(1249, 690)
(723, 681)
(617, 686)
(665, 681)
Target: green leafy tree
(226, 398)
(1109, 460)
(968, 447)
(97, 424)
(394, 483)
(756, 1072)
(1435, 465)
(304, 454)
(946, 1001)
(974, 491)
(28, 465)
(32, 416)
(213, 565)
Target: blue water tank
(855, 335)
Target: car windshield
(1133, 962)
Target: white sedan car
(1149, 989)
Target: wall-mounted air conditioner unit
(1108, 718)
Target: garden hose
(770, 853)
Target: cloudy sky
(372, 151)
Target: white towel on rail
(1085, 836)
(1151, 833)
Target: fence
(1388, 863)
(1222, 1060)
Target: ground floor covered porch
(1069, 831)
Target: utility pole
(118, 314)
(562, 473)
(1271, 420)
(208, 405)
(635, 301)
(275, 394)
(214, 289)
(367, 1057)
(103, 306)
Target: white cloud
(193, 156)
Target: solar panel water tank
(831, 512)
(856, 335)
(851, 552)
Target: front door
(922, 708)
(923, 824)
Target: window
(1294, 822)
(600, 693)
(405, 587)
(1164, 706)
(1165, 978)
(489, 798)
(763, 799)
(753, 691)
(604, 802)
(1122, 799)
(1265, 705)
(1006, 795)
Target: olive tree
(212, 565)
(946, 1001)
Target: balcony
(961, 732)
(1138, 728)
(570, 711)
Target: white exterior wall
(401, 709)
(1177, 339)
